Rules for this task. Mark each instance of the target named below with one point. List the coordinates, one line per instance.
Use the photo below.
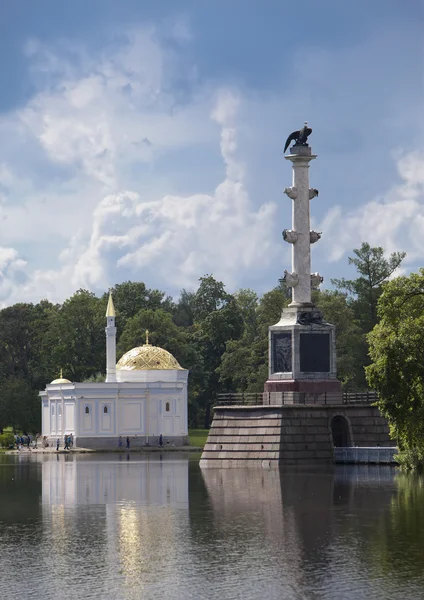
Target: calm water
(98, 527)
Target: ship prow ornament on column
(302, 346)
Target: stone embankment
(274, 436)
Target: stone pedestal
(302, 358)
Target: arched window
(105, 410)
(87, 410)
(167, 407)
(340, 432)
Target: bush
(411, 459)
(6, 440)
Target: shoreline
(144, 449)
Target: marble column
(300, 193)
(302, 346)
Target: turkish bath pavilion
(144, 396)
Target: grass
(198, 437)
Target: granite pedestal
(302, 356)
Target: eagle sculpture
(300, 137)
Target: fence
(279, 398)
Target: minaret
(110, 341)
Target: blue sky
(143, 140)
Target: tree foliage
(397, 367)
(221, 338)
(374, 270)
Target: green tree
(244, 364)
(184, 309)
(209, 297)
(350, 342)
(218, 320)
(397, 363)
(77, 336)
(130, 297)
(19, 406)
(374, 270)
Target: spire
(110, 342)
(147, 338)
(61, 373)
(110, 310)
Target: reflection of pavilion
(124, 514)
(79, 480)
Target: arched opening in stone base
(340, 432)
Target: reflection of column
(249, 518)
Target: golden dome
(147, 357)
(61, 379)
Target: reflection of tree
(396, 548)
(20, 491)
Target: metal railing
(280, 398)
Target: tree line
(221, 338)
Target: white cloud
(115, 113)
(12, 271)
(176, 237)
(118, 109)
(394, 221)
(113, 167)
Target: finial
(61, 373)
(110, 310)
(147, 337)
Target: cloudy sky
(143, 140)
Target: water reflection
(127, 536)
(324, 527)
(107, 527)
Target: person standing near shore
(128, 443)
(57, 444)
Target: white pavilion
(144, 396)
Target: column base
(303, 391)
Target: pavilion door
(59, 418)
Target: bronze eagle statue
(300, 137)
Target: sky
(143, 140)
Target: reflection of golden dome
(147, 357)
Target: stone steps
(243, 438)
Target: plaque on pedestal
(314, 352)
(281, 359)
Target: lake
(156, 527)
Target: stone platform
(307, 386)
(274, 436)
